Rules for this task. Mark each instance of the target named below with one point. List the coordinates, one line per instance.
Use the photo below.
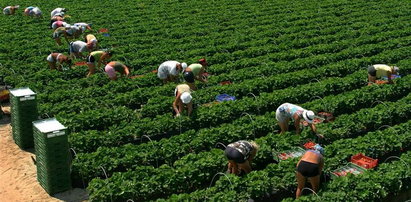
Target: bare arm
(190, 108)
(175, 103)
(297, 123)
(126, 70)
(389, 77)
(313, 128)
(321, 166)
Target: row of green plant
(135, 90)
(380, 184)
(156, 153)
(104, 138)
(204, 116)
(278, 180)
(152, 78)
(162, 104)
(195, 171)
(157, 32)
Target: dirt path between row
(18, 172)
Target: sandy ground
(18, 172)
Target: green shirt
(97, 55)
(196, 68)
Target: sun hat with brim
(308, 116)
(186, 97)
(184, 65)
(396, 69)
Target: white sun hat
(184, 65)
(308, 116)
(396, 69)
(186, 97)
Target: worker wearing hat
(288, 111)
(169, 70)
(380, 70)
(58, 12)
(239, 155)
(310, 167)
(195, 71)
(182, 97)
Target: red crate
(154, 71)
(309, 145)
(225, 83)
(379, 82)
(136, 76)
(364, 161)
(327, 116)
(81, 63)
(315, 121)
(103, 30)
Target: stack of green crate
(23, 113)
(52, 155)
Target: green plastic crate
(23, 113)
(52, 155)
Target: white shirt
(36, 11)
(169, 67)
(71, 30)
(56, 11)
(81, 25)
(79, 46)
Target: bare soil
(18, 172)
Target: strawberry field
(128, 144)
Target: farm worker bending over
(57, 17)
(183, 97)
(69, 32)
(195, 71)
(53, 58)
(83, 26)
(113, 67)
(239, 155)
(58, 24)
(33, 11)
(28, 10)
(10, 10)
(288, 111)
(380, 70)
(78, 47)
(310, 166)
(58, 33)
(58, 11)
(91, 40)
(97, 57)
(168, 71)
(73, 31)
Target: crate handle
(220, 173)
(219, 143)
(311, 191)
